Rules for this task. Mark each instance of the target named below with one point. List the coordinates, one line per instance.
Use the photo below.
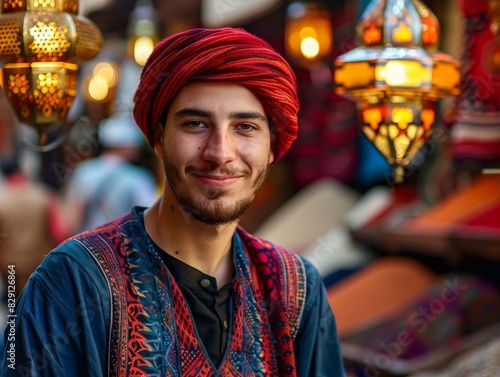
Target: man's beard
(211, 209)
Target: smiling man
(179, 289)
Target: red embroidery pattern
(138, 342)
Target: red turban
(218, 55)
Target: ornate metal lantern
(40, 43)
(397, 75)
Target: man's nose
(220, 147)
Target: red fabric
(484, 149)
(474, 7)
(218, 55)
(487, 218)
(479, 101)
(477, 78)
(483, 227)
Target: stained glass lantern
(41, 42)
(397, 75)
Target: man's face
(216, 149)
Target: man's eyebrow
(247, 115)
(189, 111)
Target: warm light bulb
(373, 117)
(428, 117)
(402, 34)
(309, 47)
(143, 47)
(395, 73)
(98, 88)
(107, 72)
(402, 116)
(495, 58)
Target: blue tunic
(62, 322)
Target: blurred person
(31, 217)
(13, 156)
(179, 288)
(105, 187)
(31, 224)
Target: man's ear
(158, 140)
(274, 142)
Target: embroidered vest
(152, 332)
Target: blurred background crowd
(411, 268)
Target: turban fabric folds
(218, 55)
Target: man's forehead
(214, 98)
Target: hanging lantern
(143, 32)
(397, 75)
(41, 41)
(308, 33)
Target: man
(179, 289)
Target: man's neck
(202, 246)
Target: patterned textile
(218, 55)
(152, 329)
(454, 308)
(476, 133)
(327, 143)
(481, 361)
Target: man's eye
(246, 126)
(194, 124)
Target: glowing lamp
(40, 92)
(397, 75)
(491, 55)
(41, 42)
(100, 86)
(494, 13)
(308, 33)
(143, 32)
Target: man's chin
(214, 219)
(217, 215)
